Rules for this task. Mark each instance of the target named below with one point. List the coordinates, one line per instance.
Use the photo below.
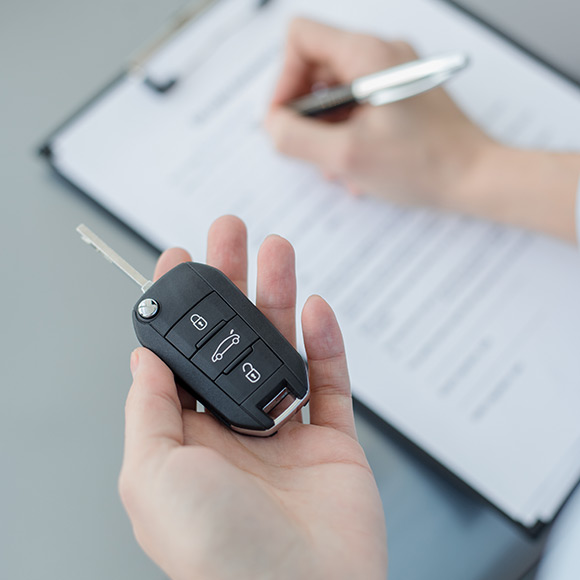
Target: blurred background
(67, 336)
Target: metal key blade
(110, 255)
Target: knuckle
(347, 157)
(282, 135)
(280, 140)
(362, 44)
(126, 490)
(130, 401)
(296, 26)
(404, 50)
(385, 53)
(130, 489)
(370, 53)
(376, 46)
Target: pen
(387, 86)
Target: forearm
(530, 189)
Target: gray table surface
(67, 338)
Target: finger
(227, 249)
(311, 140)
(276, 286)
(168, 260)
(153, 420)
(330, 399)
(309, 45)
(313, 46)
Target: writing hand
(420, 150)
(416, 150)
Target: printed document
(462, 334)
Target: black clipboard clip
(164, 83)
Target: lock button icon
(198, 321)
(251, 373)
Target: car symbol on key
(224, 346)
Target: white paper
(461, 334)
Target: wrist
(464, 161)
(467, 189)
(526, 188)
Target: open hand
(208, 503)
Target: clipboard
(164, 85)
(195, 10)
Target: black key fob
(222, 349)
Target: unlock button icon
(251, 373)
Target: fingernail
(134, 362)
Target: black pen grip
(323, 101)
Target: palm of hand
(208, 503)
(271, 508)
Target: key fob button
(198, 323)
(175, 294)
(249, 373)
(223, 348)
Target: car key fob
(220, 347)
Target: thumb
(153, 420)
(311, 140)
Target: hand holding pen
(383, 87)
(423, 147)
